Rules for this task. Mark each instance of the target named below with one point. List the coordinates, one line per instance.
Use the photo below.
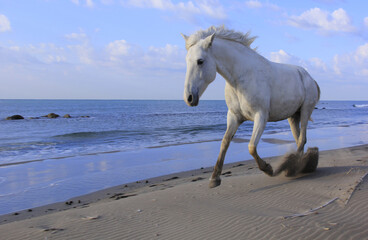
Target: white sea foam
(360, 105)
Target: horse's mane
(220, 32)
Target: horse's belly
(284, 110)
(279, 117)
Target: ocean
(111, 142)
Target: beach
(327, 204)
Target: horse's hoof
(214, 182)
(268, 170)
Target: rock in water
(51, 115)
(67, 116)
(15, 117)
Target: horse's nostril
(190, 98)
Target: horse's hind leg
(232, 126)
(294, 122)
(305, 114)
(260, 121)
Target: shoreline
(245, 169)
(27, 186)
(127, 189)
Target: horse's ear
(208, 41)
(184, 36)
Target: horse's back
(288, 91)
(280, 92)
(301, 90)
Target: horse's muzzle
(192, 100)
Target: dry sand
(330, 203)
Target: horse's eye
(200, 61)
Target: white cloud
(49, 53)
(315, 18)
(318, 63)
(283, 57)
(253, 4)
(76, 36)
(212, 8)
(87, 3)
(345, 67)
(345, 74)
(258, 4)
(117, 48)
(361, 54)
(280, 57)
(81, 54)
(366, 21)
(107, 2)
(76, 2)
(208, 8)
(169, 57)
(314, 64)
(15, 48)
(352, 64)
(133, 58)
(4, 23)
(43, 53)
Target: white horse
(256, 89)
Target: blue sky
(125, 49)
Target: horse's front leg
(260, 121)
(232, 125)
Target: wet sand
(327, 204)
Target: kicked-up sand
(330, 203)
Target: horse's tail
(302, 73)
(318, 89)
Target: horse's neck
(234, 60)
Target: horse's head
(201, 70)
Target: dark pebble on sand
(172, 178)
(197, 179)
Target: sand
(330, 203)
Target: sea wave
(360, 105)
(143, 132)
(91, 134)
